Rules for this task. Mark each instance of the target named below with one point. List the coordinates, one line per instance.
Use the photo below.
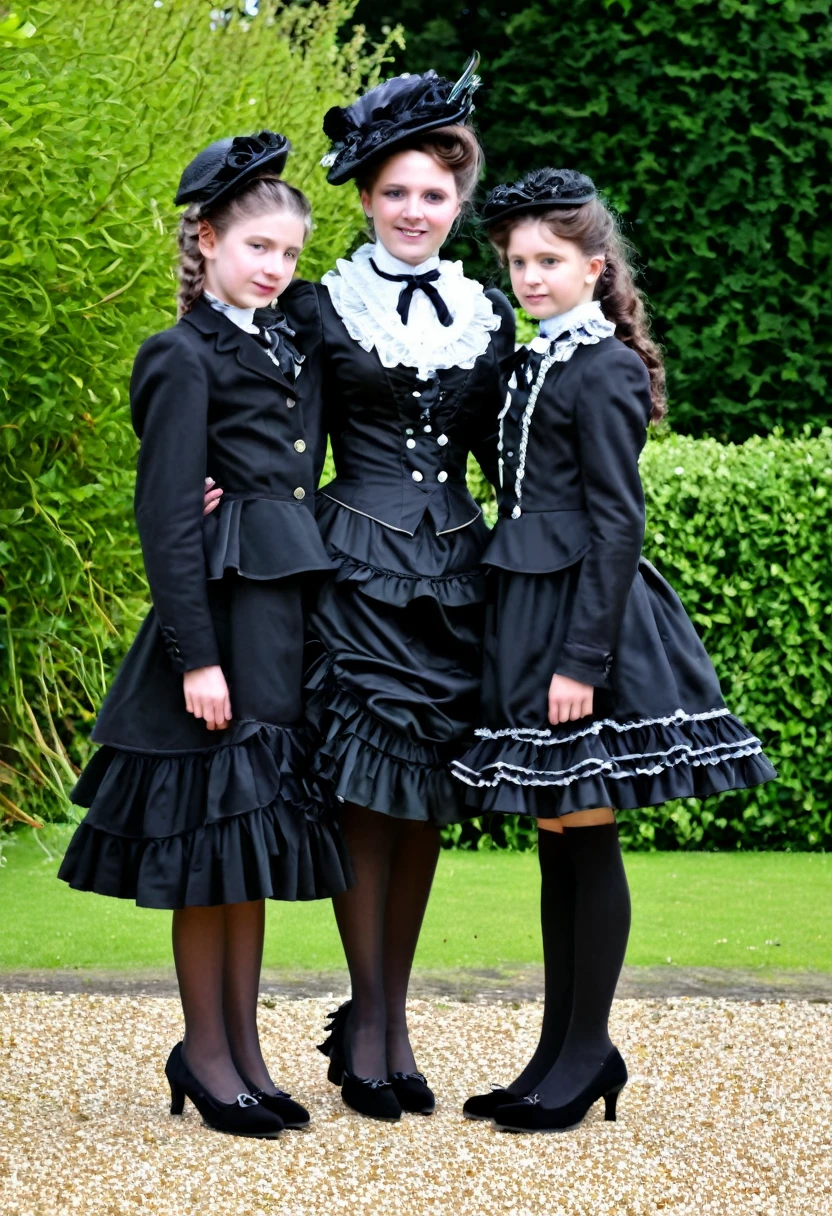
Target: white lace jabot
(243, 318)
(366, 304)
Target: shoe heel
(335, 1072)
(610, 1101)
(177, 1098)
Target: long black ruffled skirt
(395, 656)
(660, 731)
(179, 816)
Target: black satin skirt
(180, 816)
(660, 731)
(395, 657)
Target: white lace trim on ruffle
(616, 769)
(366, 304)
(547, 739)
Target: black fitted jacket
(581, 495)
(205, 396)
(375, 417)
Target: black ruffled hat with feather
(392, 113)
(538, 191)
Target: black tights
(379, 920)
(218, 954)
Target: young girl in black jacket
(597, 692)
(198, 799)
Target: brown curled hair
(260, 195)
(456, 148)
(595, 230)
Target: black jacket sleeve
(612, 411)
(169, 406)
(484, 443)
(301, 305)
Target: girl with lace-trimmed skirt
(597, 692)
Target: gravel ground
(728, 1112)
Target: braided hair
(258, 196)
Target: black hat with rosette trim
(225, 166)
(538, 191)
(393, 113)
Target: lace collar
(583, 325)
(243, 318)
(366, 304)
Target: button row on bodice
(417, 475)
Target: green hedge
(707, 122)
(742, 533)
(97, 114)
(100, 109)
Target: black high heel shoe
(484, 1106)
(244, 1117)
(292, 1114)
(530, 1116)
(369, 1096)
(414, 1094)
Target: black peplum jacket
(204, 396)
(400, 443)
(570, 491)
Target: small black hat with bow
(226, 165)
(538, 191)
(392, 113)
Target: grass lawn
(692, 909)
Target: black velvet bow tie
(425, 283)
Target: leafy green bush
(706, 122)
(99, 112)
(742, 534)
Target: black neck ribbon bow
(413, 282)
(275, 334)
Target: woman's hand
(213, 494)
(206, 696)
(569, 700)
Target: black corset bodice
(401, 444)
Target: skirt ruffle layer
(366, 762)
(226, 825)
(623, 765)
(392, 587)
(396, 568)
(394, 663)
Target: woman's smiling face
(413, 204)
(549, 275)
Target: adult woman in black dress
(408, 351)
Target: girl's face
(549, 275)
(251, 263)
(413, 204)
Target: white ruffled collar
(243, 318)
(585, 324)
(366, 304)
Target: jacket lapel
(230, 339)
